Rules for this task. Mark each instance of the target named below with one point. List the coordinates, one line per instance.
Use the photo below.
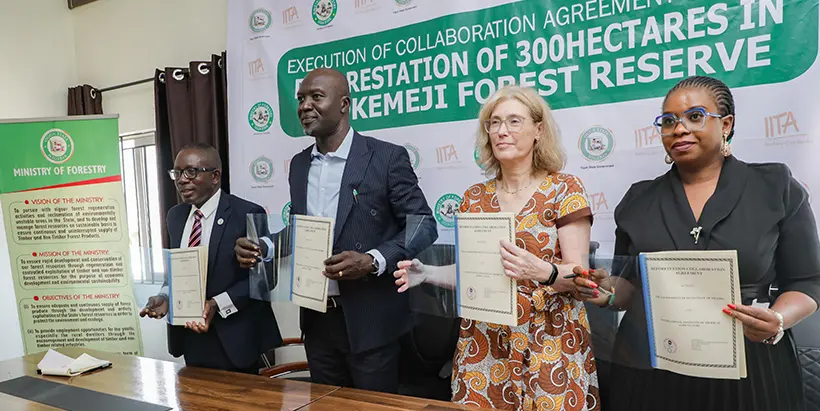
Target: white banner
(419, 70)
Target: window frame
(139, 142)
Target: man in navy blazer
(369, 187)
(234, 329)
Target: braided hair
(720, 93)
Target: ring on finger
(341, 273)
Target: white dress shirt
(324, 186)
(223, 300)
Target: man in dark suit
(368, 186)
(234, 329)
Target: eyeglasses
(190, 172)
(514, 124)
(693, 119)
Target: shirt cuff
(226, 307)
(269, 255)
(380, 258)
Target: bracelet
(553, 276)
(611, 300)
(777, 335)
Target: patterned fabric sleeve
(465, 203)
(474, 200)
(571, 200)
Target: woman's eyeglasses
(513, 124)
(693, 119)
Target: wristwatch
(779, 334)
(375, 264)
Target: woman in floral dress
(546, 361)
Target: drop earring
(725, 149)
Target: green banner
(64, 215)
(575, 53)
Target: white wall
(119, 41)
(47, 48)
(36, 68)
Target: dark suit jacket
(757, 209)
(388, 192)
(253, 329)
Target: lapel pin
(220, 221)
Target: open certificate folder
(484, 292)
(187, 276)
(312, 245)
(684, 295)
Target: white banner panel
(420, 69)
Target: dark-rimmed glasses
(189, 172)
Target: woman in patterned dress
(546, 361)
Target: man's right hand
(157, 307)
(248, 253)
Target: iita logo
(260, 20)
(260, 117)
(403, 2)
(262, 169)
(290, 16)
(286, 214)
(446, 208)
(413, 152)
(324, 11)
(57, 146)
(596, 143)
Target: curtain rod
(124, 85)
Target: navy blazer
(253, 329)
(388, 191)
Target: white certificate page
(188, 271)
(312, 245)
(685, 293)
(485, 293)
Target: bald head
(324, 103)
(334, 77)
(208, 153)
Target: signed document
(187, 276)
(312, 245)
(484, 292)
(684, 294)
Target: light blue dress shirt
(324, 186)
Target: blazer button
(358, 246)
(373, 213)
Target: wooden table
(348, 399)
(189, 388)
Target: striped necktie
(196, 230)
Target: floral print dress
(546, 362)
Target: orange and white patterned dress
(546, 362)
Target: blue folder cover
(292, 254)
(458, 268)
(170, 316)
(648, 309)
